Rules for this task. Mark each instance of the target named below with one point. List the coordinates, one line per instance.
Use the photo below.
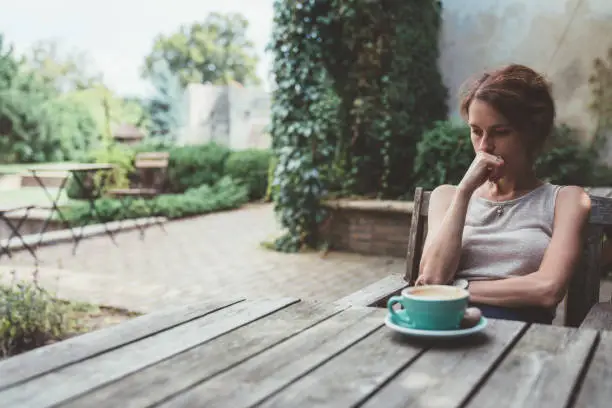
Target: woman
(512, 237)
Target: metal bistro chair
(151, 172)
(583, 293)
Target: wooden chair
(583, 292)
(151, 172)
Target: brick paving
(217, 255)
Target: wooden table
(78, 171)
(291, 353)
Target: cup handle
(390, 303)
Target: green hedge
(193, 166)
(250, 167)
(223, 195)
(189, 167)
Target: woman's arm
(442, 248)
(547, 286)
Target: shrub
(443, 155)
(119, 155)
(250, 167)
(445, 152)
(223, 195)
(29, 317)
(193, 166)
(568, 162)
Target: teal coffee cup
(430, 307)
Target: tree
(166, 107)
(36, 124)
(63, 71)
(214, 51)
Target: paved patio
(216, 255)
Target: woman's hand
(485, 166)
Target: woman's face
(491, 133)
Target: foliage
(166, 107)
(357, 84)
(568, 161)
(223, 195)
(443, 155)
(37, 124)
(62, 71)
(193, 166)
(601, 89)
(29, 317)
(122, 157)
(215, 51)
(108, 109)
(250, 167)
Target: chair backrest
(152, 169)
(583, 291)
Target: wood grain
(596, 391)
(601, 210)
(72, 381)
(45, 359)
(160, 381)
(377, 293)
(257, 378)
(599, 317)
(445, 375)
(352, 375)
(415, 239)
(583, 290)
(540, 371)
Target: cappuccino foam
(436, 293)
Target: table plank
(268, 372)
(540, 371)
(446, 374)
(599, 317)
(193, 366)
(72, 381)
(45, 359)
(596, 390)
(352, 375)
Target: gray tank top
(508, 238)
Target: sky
(117, 34)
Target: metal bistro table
(14, 229)
(291, 353)
(80, 173)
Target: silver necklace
(500, 210)
(500, 207)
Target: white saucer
(436, 333)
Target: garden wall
(370, 227)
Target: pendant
(500, 211)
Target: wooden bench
(583, 292)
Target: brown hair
(521, 95)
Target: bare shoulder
(443, 193)
(440, 199)
(573, 204)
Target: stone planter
(370, 227)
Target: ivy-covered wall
(357, 85)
